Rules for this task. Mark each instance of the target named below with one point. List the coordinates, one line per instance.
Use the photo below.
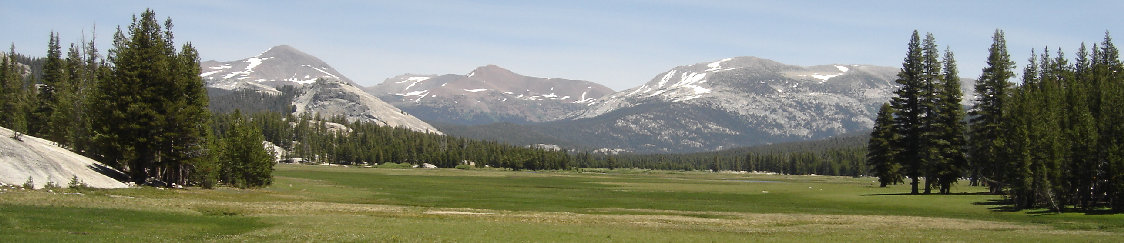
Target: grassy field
(323, 203)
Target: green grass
(326, 203)
(23, 223)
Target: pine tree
(1019, 133)
(245, 161)
(930, 145)
(11, 94)
(951, 125)
(880, 149)
(150, 117)
(908, 115)
(61, 122)
(992, 91)
(1108, 74)
(186, 122)
(1082, 134)
(47, 99)
(18, 94)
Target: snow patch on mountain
(717, 66)
(768, 99)
(488, 92)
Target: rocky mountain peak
(278, 66)
(283, 51)
(494, 73)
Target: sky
(620, 44)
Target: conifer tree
(1018, 131)
(951, 127)
(245, 161)
(930, 143)
(1082, 134)
(54, 80)
(18, 95)
(992, 91)
(909, 112)
(150, 117)
(880, 149)
(61, 121)
(1108, 74)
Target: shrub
(465, 167)
(29, 184)
(76, 184)
(51, 186)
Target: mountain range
(707, 106)
(733, 102)
(487, 94)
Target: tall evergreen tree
(245, 161)
(17, 94)
(930, 126)
(1108, 74)
(909, 113)
(1018, 131)
(951, 127)
(992, 91)
(880, 149)
(54, 80)
(1082, 134)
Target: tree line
(840, 156)
(1053, 140)
(335, 140)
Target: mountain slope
(745, 101)
(319, 87)
(329, 97)
(488, 94)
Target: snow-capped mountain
(319, 87)
(733, 102)
(487, 94)
(742, 101)
(278, 66)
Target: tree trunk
(913, 184)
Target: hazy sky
(621, 44)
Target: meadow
(333, 203)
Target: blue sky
(621, 44)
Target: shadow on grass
(999, 205)
(1006, 205)
(1095, 211)
(931, 194)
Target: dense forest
(843, 155)
(1051, 141)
